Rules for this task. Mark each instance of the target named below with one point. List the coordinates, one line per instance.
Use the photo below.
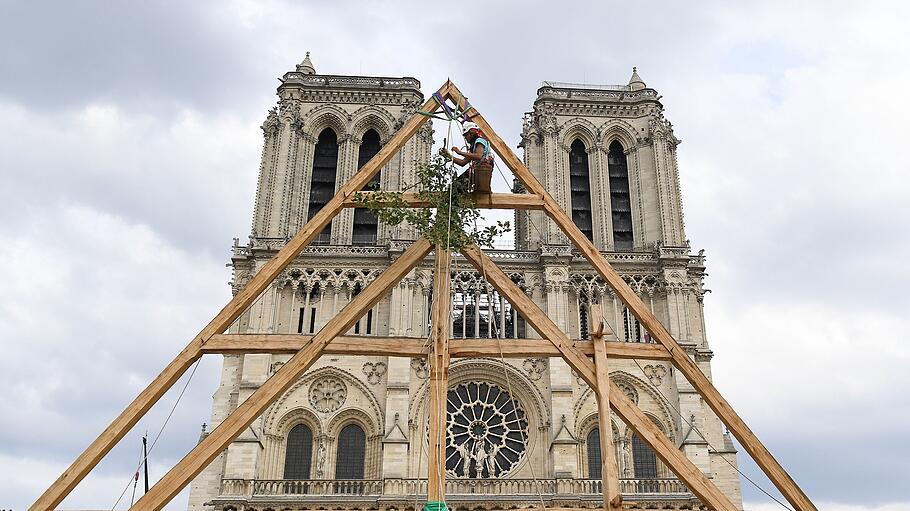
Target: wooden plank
(236, 344)
(234, 308)
(481, 200)
(666, 450)
(439, 377)
(203, 454)
(705, 388)
(609, 470)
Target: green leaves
(451, 217)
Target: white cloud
(833, 506)
(122, 189)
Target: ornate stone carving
(535, 367)
(420, 367)
(486, 428)
(655, 373)
(272, 124)
(328, 394)
(374, 372)
(628, 391)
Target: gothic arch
(350, 380)
(326, 116)
(618, 129)
(485, 369)
(365, 118)
(579, 128)
(293, 417)
(352, 416)
(639, 386)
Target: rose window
(486, 431)
(327, 394)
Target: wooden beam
(439, 377)
(237, 344)
(705, 388)
(609, 470)
(234, 308)
(203, 454)
(666, 450)
(481, 200)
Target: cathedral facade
(351, 433)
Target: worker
(479, 159)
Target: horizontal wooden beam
(481, 200)
(237, 344)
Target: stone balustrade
(500, 488)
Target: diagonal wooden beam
(750, 442)
(234, 308)
(666, 450)
(203, 454)
(238, 344)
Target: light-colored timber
(666, 450)
(238, 344)
(481, 200)
(204, 452)
(234, 308)
(769, 465)
(439, 377)
(609, 470)
(308, 349)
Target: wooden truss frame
(307, 349)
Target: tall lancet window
(620, 199)
(322, 182)
(580, 183)
(299, 453)
(595, 463)
(349, 456)
(365, 222)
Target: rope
(695, 428)
(160, 431)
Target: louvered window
(299, 453)
(322, 182)
(580, 183)
(620, 199)
(365, 221)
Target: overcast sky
(130, 143)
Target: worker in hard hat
(478, 158)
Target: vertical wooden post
(439, 377)
(609, 471)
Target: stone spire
(306, 67)
(636, 83)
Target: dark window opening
(643, 458)
(366, 224)
(299, 453)
(312, 320)
(369, 322)
(349, 456)
(595, 460)
(580, 184)
(300, 321)
(322, 182)
(620, 199)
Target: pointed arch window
(366, 224)
(349, 457)
(644, 459)
(322, 181)
(299, 453)
(620, 199)
(595, 460)
(580, 185)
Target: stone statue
(491, 459)
(320, 459)
(462, 450)
(480, 458)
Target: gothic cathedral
(351, 433)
